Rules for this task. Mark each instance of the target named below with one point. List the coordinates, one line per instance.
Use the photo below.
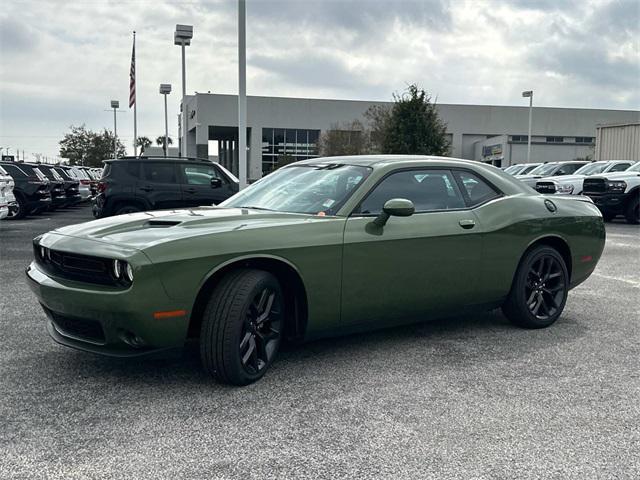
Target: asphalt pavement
(467, 397)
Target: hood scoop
(161, 223)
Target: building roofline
(437, 103)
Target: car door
(159, 185)
(203, 185)
(425, 263)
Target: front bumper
(109, 320)
(609, 202)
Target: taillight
(102, 186)
(85, 182)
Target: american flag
(132, 76)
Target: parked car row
(614, 185)
(32, 188)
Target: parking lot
(467, 397)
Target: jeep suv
(616, 193)
(133, 184)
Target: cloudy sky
(61, 62)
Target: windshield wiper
(256, 208)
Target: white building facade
(291, 127)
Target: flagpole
(135, 106)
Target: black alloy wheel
(539, 290)
(242, 326)
(545, 287)
(260, 335)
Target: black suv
(133, 184)
(32, 189)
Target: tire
(607, 217)
(124, 209)
(539, 290)
(632, 211)
(19, 212)
(242, 327)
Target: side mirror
(216, 183)
(396, 207)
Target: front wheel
(632, 212)
(242, 327)
(539, 290)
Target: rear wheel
(124, 209)
(17, 212)
(242, 327)
(632, 212)
(539, 290)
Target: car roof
(376, 161)
(143, 158)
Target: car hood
(528, 177)
(617, 175)
(565, 178)
(146, 229)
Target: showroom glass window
(429, 190)
(281, 146)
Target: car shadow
(453, 342)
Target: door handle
(190, 190)
(146, 189)
(467, 224)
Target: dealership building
(290, 128)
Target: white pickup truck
(572, 184)
(616, 193)
(7, 199)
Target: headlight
(117, 271)
(122, 271)
(616, 185)
(129, 272)
(568, 188)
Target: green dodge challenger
(321, 247)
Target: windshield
(634, 168)
(302, 189)
(513, 169)
(591, 168)
(527, 168)
(544, 169)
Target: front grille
(594, 185)
(73, 266)
(79, 328)
(546, 187)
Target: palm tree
(160, 141)
(143, 142)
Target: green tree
(143, 143)
(85, 147)
(345, 139)
(411, 126)
(160, 141)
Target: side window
(620, 167)
(567, 169)
(199, 174)
(429, 190)
(159, 172)
(476, 189)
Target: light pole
(242, 94)
(115, 104)
(182, 37)
(165, 89)
(529, 93)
